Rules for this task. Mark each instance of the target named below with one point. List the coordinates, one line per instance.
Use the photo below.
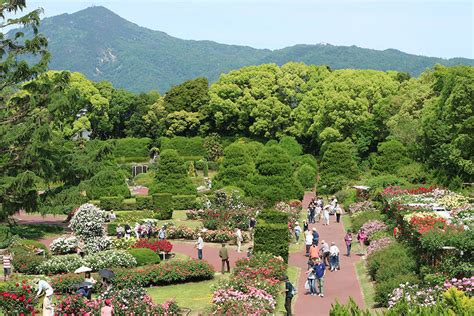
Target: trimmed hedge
(162, 201)
(272, 238)
(130, 147)
(186, 146)
(163, 215)
(168, 272)
(144, 202)
(184, 202)
(144, 256)
(273, 217)
(111, 203)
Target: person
(290, 292)
(162, 233)
(224, 255)
(326, 215)
(348, 240)
(325, 252)
(297, 230)
(312, 209)
(361, 237)
(7, 265)
(338, 213)
(239, 238)
(199, 245)
(137, 230)
(112, 216)
(107, 309)
(313, 251)
(88, 278)
(305, 226)
(80, 248)
(48, 308)
(82, 291)
(128, 231)
(120, 231)
(308, 241)
(311, 280)
(315, 236)
(334, 257)
(319, 270)
(249, 252)
(252, 224)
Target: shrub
(162, 201)
(306, 175)
(172, 176)
(109, 259)
(212, 144)
(389, 262)
(237, 166)
(64, 245)
(272, 238)
(5, 236)
(167, 272)
(210, 224)
(163, 215)
(338, 166)
(123, 243)
(60, 264)
(275, 217)
(107, 182)
(144, 256)
(155, 245)
(184, 202)
(88, 221)
(27, 263)
(391, 155)
(131, 148)
(384, 289)
(111, 203)
(185, 146)
(112, 229)
(291, 146)
(359, 219)
(372, 227)
(96, 244)
(275, 268)
(144, 202)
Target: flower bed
(464, 284)
(18, 300)
(100, 260)
(373, 226)
(378, 244)
(365, 206)
(413, 295)
(252, 288)
(184, 232)
(154, 244)
(64, 245)
(168, 272)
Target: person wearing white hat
(297, 230)
(48, 308)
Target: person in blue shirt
(315, 237)
(319, 270)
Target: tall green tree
(338, 166)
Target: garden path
(339, 285)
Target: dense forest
(355, 122)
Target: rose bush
(18, 300)
(88, 221)
(378, 244)
(414, 295)
(373, 226)
(154, 244)
(64, 245)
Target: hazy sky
(439, 28)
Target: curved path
(339, 285)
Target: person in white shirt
(308, 241)
(297, 231)
(326, 215)
(334, 257)
(238, 236)
(48, 309)
(199, 245)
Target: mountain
(104, 46)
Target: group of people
(317, 211)
(146, 230)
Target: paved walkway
(339, 285)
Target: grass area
(178, 219)
(196, 296)
(145, 179)
(366, 285)
(346, 221)
(293, 274)
(35, 231)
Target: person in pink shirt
(107, 309)
(361, 237)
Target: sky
(439, 28)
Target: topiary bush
(130, 147)
(162, 201)
(108, 182)
(273, 217)
(144, 256)
(172, 176)
(184, 202)
(306, 175)
(144, 202)
(272, 238)
(111, 203)
(185, 146)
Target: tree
(306, 175)
(191, 96)
(391, 156)
(213, 146)
(172, 176)
(237, 167)
(337, 167)
(14, 69)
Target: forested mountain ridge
(104, 46)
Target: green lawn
(196, 296)
(366, 285)
(293, 274)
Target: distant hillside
(104, 46)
